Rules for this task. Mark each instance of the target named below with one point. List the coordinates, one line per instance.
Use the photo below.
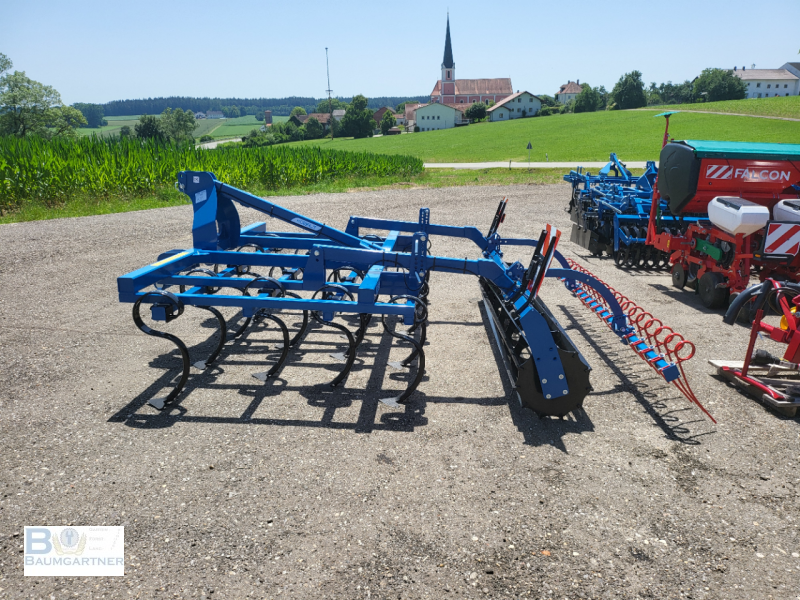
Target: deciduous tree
(476, 112)
(148, 127)
(587, 101)
(387, 122)
(629, 91)
(28, 107)
(177, 125)
(298, 110)
(358, 121)
(719, 84)
(314, 129)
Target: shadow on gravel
(687, 297)
(637, 271)
(536, 431)
(676, 417)
(251, 351)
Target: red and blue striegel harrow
(321, 272)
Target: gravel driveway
(292, 490)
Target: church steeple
(448, 63)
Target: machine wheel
(745, 315)
(710, 295)
(620, 256)
(678, 276)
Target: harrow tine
(418, 352)
(223, 325)
(223, 333)
(303, 326)
(172, 303)
(284, 351)
(328, 290)
(660, 346)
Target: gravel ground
(290, 489)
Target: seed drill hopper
(321, 273)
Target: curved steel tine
(298, 336)
(245, 292)
(396, 401)
(284, 353)
(137, 319)
(223, 333)
(350, 354)
(365, 319)
(423, 333)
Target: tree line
(713, 85)
(234, 107)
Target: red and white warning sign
(782, 238)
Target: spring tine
(159, 403)
(304, 325)
(418, 351)
(350, 354)
(223, 332)
(284, 352)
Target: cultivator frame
(347, 272)
(610, 213)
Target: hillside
(633, 135)
(786, 107)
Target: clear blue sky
(99, 51)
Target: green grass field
(788, 107)
(236, 127)
(217, 128)
(112, 128)
(633, 135)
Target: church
(449, 90)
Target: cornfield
(32, 169)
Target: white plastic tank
(737, 215)
(787, 210)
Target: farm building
(568, 91)
(338, 114)
(323, 118)
(214, 114)
(521, 104)
(199, 115)
(430, 117)
(768, 83)
(378, 114)
(449, 90)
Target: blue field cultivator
(611, 210)
(338, 277)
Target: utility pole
(330, 102)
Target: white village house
(431, 117)
(768, 83)
(568, 91)
(516, 106)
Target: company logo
(69, 541)
(74, 551)
(746, 174)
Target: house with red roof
(568, 91)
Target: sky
(100, 51)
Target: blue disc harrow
(317, 273)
